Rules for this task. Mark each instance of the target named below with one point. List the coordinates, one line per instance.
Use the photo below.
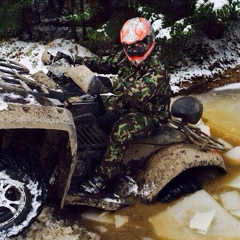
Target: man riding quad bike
(56, 146)
(139, 105)
(140, 100)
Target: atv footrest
(99, 201)
(89, 133)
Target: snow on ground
(217, 4)
(27, 53)
(229, 86)
(30, 53)
(48, 227)
(225, 54)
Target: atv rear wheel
(21, 198)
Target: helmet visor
(137, 48)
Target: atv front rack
(197, 137)
(16, 78)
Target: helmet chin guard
(137, 60)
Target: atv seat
(167, 136)
(85, 118)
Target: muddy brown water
(221, 114)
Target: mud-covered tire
(22, 194)
(183, 184)
(179, 190)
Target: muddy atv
(52, 138)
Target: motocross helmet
(138, 39)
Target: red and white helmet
(138, 39)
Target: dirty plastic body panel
(159, 159)
(169, 163)
(30, 117)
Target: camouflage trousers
(130, 126)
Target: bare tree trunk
(72, 4)
(26, 24)
(84, 31)
(61, 4)
(36, 10)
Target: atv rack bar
(51, 94)
(13, 65)
(198, 137)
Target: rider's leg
(130, 126)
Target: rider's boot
(125, 186)
(94, 185)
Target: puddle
(221, 114)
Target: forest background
(187, 30)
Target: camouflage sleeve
(104, 65)
(143, 89)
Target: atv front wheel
(21, 199)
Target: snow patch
(3, 104)
(68, 47)
(217, 4)
(147, 189)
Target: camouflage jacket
(144, 88)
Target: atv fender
(169, 162)
(17, 116)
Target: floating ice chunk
(201, 221)
(235, 183)
(235, 212)
(173, 223)
(234, 154)
(230, 200)
(102, 229)
(204, 128)
(227, 145)
(98, 216)
(120, 220)
(103, 214)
